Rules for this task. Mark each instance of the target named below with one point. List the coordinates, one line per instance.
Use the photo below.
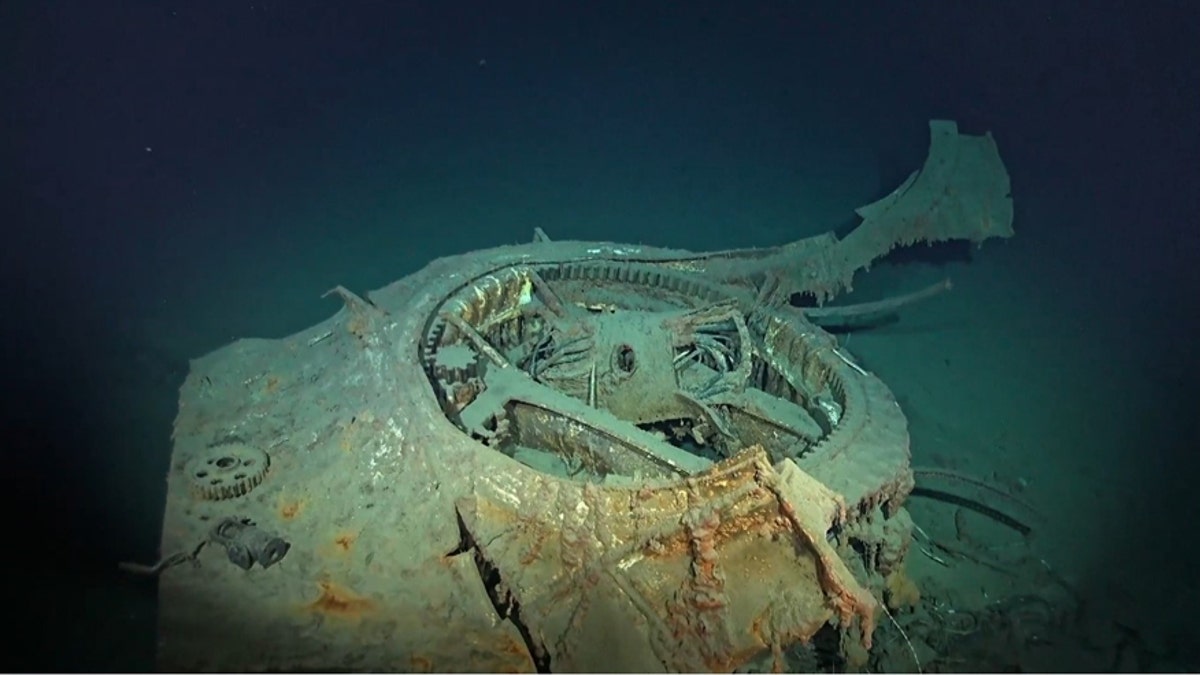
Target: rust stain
(272, 385)
(535, 549)
(513, 648)
(352, 431)
(358, 327)
(338, 601)
(345, 540)
(289, 509)
(757, 629)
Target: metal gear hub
(227, 471)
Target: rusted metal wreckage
(558, 456)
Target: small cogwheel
(227, 471)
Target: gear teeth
(227, 471)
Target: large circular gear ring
(227, 471)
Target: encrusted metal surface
(564, 456)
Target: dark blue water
(180, 174)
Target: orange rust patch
(756, 629)
(345, 540)
(290, 509)
(514, 648)
(337, 600)
(272, 384)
